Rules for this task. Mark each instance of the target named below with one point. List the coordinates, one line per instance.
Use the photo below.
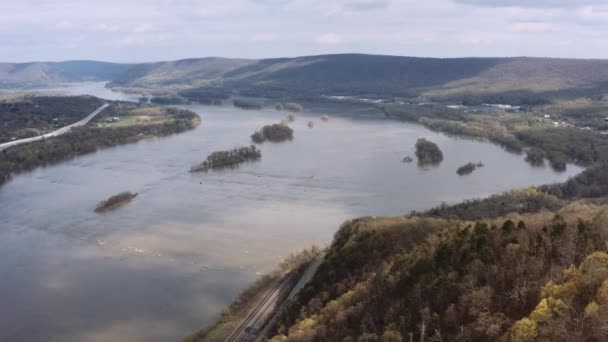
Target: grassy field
(127, 114)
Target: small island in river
(247, 104)
(468, 168)
(428, 152)
(272, 133)
(115, 202)
(290, 107)
(231, 158)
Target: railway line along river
(167, 263)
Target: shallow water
(69, 274)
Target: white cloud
(530, 3)
(366, 5)
(593, 13)
(532, 27)
(330, 38)
(143, 28)
(264, 37)
(137, 30)
(108, 28)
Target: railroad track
(242, 333)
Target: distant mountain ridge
(57, 72)
(339, 74)
(360, 74)
(180, 72)
(325, 71)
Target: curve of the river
(140, 273)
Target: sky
(154, 30)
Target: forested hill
(339, 74)
(40, 73)
(539, 276)
(347, 71)
(375, 75)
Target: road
(253, 327)
(56, 133)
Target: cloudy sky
(149, 30)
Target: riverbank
(120, 123)
(559, 142)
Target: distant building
(547, 116)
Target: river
(162, 266)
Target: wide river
(162, 266)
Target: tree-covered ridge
(527, 81)
(589, 184)
(44, 73)
(433, 279)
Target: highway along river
(167, 263)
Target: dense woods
(515, 201)
(562, 145)
(535, 156)
(396, 279)
(31, 116)
(591, 183)
(90, 138)
(575, 307)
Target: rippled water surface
(69, 274)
